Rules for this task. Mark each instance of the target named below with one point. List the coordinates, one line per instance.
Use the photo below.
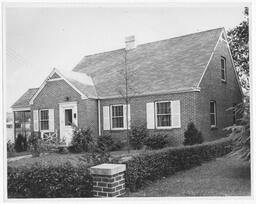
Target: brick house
(171, 82)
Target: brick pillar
(108, 180)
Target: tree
(126, 90)
(238, 39)
(240, 133)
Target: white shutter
(150, 116)
(175, 111)
(106, 118)
(125, 111)
(35, 120)
(51, 120)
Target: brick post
(108, 180)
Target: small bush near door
(137, 136)
(83, 140)
(105, 143)
(21, 143)
(192, 135)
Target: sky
(40, 38)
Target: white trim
(198, 85)
(99, 118)
(214, 113)
(39, 120)
(48, 79)
(21, 109)
(156, 125)
(56, 79)
(111, 127)
(68, 103)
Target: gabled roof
(162, 66)
(23, 101)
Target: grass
(51, 158)
(222, 177)
(56, 158)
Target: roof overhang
(21, 109)
(57, 79)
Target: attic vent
(130, 42)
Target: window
(223, 68)
(163, 114)
(68, 117)
(117, 116)
(44, 119)
(213, 114)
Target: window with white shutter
(167, 114)
(44, 120)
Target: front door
(68, 116)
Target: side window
(44, 119)
(223, 69)
(213, 118)
(117, 116)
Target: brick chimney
(130, 42)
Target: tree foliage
(238, 38)
(241, 133)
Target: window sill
(223, 81)
(214, 128)
(166, 128)
(118, 129)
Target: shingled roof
(23, 101)
(167, 65)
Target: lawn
(56, 158)
(221, 177)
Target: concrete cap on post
(107, 169)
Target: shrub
(155, 164)
(21, 143)
(137, 136)
(83, 140)
(41, 181)
(105, 143)
(10, 146)
(157, 141)
(36, 145)
(192, 135)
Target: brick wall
(138, 114)
(55, 92)
(225, 95)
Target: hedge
(42, 181)
(156, 164)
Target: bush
(40, 181)
(36, 145)
(83, 140)
(137, 136)
(192, 135)
(105, 143)
(10, 146)
(155, 164)
(157, 141)
(20, 143)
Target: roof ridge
(99, 53)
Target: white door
(68, 116)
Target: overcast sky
(38, 39)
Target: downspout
(99, 124)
